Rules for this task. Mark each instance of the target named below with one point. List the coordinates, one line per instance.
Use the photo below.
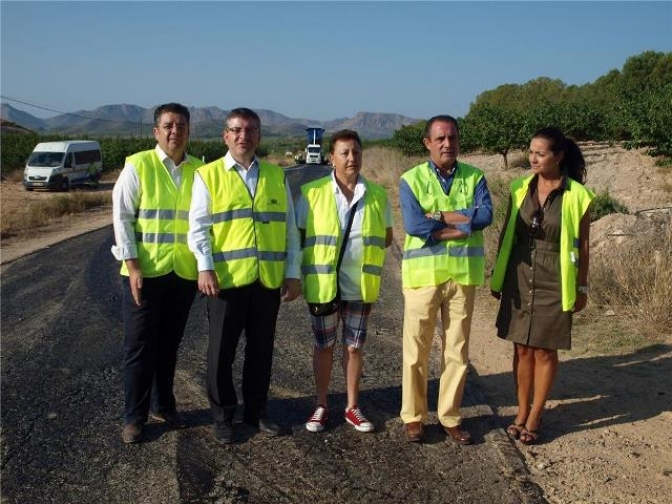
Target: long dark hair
(572, 162)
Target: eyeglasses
(535, 224)
(238, 131)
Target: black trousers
(253, 309)
(152, 335)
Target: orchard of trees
(633, 105)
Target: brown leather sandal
(514, 430)
(529, 436)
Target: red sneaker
(318, 419)
(355, 418)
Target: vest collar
(166, 159)
(230, 163)
(438, 171)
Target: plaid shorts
(355, 316)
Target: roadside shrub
(604, 204)
(664, 162)
(409, 139)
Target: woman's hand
(580, 303)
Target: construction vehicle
(314, 147)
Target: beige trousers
(421, 307)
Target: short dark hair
(175, 108)
(573, 163)
(344, 134)
(243, 113)
(441, 118)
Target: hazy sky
(314, 60)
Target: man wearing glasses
(243, 234)
(445, 205)
(151, 200)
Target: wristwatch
(583, 289)
(437, 216)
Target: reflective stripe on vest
(323, 238)
(462, 261)
(575, 202)
(248, 236)
(163, 217)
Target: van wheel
(65, 185)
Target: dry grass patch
(385, 166)
(599, 334)
(24, 221)
(636, 282)
(15, 176)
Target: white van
(60, 165)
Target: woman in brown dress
(541, 274)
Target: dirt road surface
(606, 436)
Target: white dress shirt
(350, 273)
(126, 200)
(200, 219)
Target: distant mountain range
(206, 122)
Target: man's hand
(291, 289)
(135, 279)
(208, 283)
(449, 233)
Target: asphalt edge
(512, 461)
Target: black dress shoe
(264, 425)
(223, 431)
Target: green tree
(409, 139)
(495, 129)
(645, 107)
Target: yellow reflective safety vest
(463, 260)
(248, 235)
(576, 200)
(163, 217)
(324, 237)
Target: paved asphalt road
(62, 403)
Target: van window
(45, 159)
(87, 157)
(69, 161)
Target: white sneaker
(318, 419)
(355, 418)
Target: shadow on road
(597, 392)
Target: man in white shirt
(151, 200)
(243, 234)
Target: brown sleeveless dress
(530, 311)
